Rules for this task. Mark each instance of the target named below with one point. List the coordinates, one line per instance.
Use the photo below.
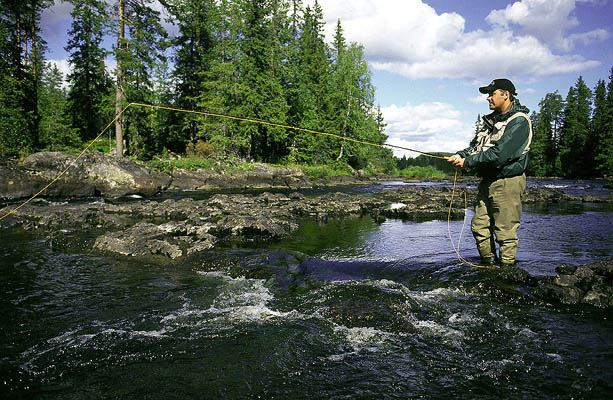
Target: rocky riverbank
(96, 174)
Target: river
(386, 311)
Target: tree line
(260, 59)
(573, 137)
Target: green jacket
(500, 149)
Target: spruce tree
(575, 131)
(263, 96)
(221, 84)
(604, 149)
(138, 54)
(540, 135)
(90, 84)
(21, 50)
(56, 133)
(13, 119)
(309, 95)
(547, 123)
(598, 126)
(193, 47)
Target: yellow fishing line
(266, 123)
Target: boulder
(15, 183)
(94, 174)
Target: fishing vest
(488, 137)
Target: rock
(15, 183)
(547, 196)
(139, 240)
(422, 204)
(566, 280)
(589, 284)
(262, 176)
(603, 198)
(94, 174)
(343, 180)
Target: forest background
(259, 59)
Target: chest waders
(498, 209)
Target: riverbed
(382, 310)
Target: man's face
(497, 100)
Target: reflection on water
(546, 240)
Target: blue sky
(428, 57)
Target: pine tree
(90, 84)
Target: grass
(421, 172)
(323, 171)
(195, 163)
(313, 172)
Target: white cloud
(479, 99)
(429, 127)
(597, 35)
(547, 20)
(62, 65)
(408, 37)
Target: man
(499, 155)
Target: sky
(428, 57)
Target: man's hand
(456, 160)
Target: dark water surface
(388, 312)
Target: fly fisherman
(499, 155)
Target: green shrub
(421, 172)
(199, 149)
(325, 171)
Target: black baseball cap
(503, 84)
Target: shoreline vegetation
(201, 155)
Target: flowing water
(382, 311)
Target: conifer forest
(259, 59)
